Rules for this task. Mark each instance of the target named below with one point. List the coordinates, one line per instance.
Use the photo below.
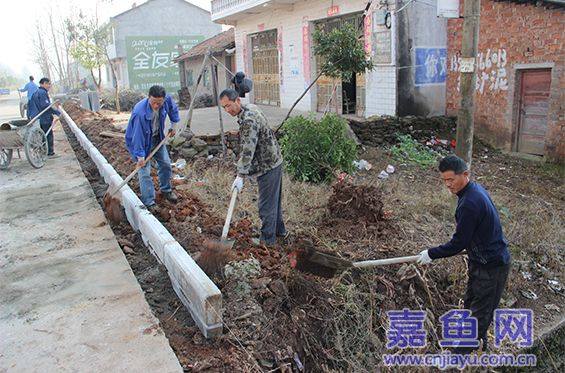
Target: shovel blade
(219, 244)
(308, 259)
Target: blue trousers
(164, 170)
(270, 205)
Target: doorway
(265, 64)
(533, 111)
(348, 95)
(343, 96)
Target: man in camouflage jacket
(260, 157)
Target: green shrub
(313, 151)
(410, 151)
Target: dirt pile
(361, 203)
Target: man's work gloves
(424, 258)
(237, 184)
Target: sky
(18, 25)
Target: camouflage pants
(270, 205)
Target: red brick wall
(518, 34)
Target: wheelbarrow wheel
(35, 146)
(5, 158)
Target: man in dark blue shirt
(479, 232)
(38, 102)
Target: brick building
(520, 91)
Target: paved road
(69, 301)
(9, 107)
(206, 121)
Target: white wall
(163, 18)
(381, 83)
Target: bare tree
(59, 69)
(51, 51)
(106, 32)
(41, 56)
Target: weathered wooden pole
(214, 73)
(465, 116)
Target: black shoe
(284, 235)
(153, 209)
(171, 197)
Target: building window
(189, 79)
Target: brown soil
(279, 318)
(360, 203)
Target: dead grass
(304, 204)
(532, 226)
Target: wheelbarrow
(26, 135)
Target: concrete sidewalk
(69, 301)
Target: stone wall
(382, 131)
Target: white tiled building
(274, 47)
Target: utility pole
(465, 116)
(214, 75)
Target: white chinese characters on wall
(156, 60)
(491, 70)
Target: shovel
(111, 203)
(217, 253)
(327, 265)
(224, 243)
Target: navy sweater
(478, 230)
(39, 101)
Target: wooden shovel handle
(381, 262)
(137, 168)
(230, 213)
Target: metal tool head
(215, 255)
(219, 244)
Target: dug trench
(275, 318)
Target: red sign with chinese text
(333, 11)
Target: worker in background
(30, 88)
(38, 102)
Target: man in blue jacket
(479, 232)
(37, 103)
(145, 130)
(30, 88)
